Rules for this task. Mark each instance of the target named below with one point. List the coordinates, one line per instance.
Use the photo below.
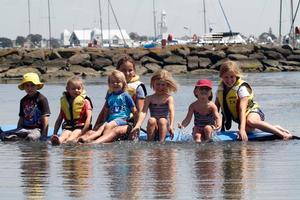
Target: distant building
(65, 38)
(92, 37)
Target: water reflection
(238, 162)
(34, 169)
(161, 166)
(207, 168)
(77, 170)
(124, 172)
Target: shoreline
(62, 63)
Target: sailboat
(220, 37)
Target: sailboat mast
(154, 19)
(280, 20)
(29, 23)
(49, 21)
(100, 15)
(204, 17)
(293, 20)
(114, 14)
(292, 24)
(108, 19)
(225, 16)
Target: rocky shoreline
(95, 62)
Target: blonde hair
(120, 76)
(230, 66)
(165, 76)
(74, 80)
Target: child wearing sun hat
(33, 114)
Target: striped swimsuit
(203, 120)
(159, 110)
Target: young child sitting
(76, 112)
(235, 97)
(117, 109)
(206, 115)
(161, 106)
(34, 112)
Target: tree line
(34, 40)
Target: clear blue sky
(245, 16)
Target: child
(235, 97)
(161, 106)
(135, 88)
(116, 111)
(206, 115)
(34, 112)
(75, 110)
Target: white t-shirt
(243, 92)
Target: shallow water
(127, 170)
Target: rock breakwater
(93, 62)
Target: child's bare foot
(286, 135)
(282, 129)
(55, 140)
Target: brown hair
(166, 76)
(230, 66)
(119, 75)
(125, 59)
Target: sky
(249, 17)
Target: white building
(65, 37)
(92, 37)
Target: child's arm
(87, 122)
(45, 125)
(217, 103)
(141, 115)
(20, 122)
(140, 104)
(101, 117)
(172, 115)
(135, 114)
(218, 122)
(188, 117)
(58, 123)
(242, 115)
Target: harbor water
(141, 170)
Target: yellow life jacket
(72, 112)
(232, 100)
(133, 84)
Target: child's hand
(171, 131)
(135, 132)
(243, 135)
(180, 126)
(215, 127)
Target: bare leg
(254, 121)
(208, 131)
(162, 129)
(93, 135)
(74, 135)
(151, 129)
(109, 134)
(197, 134)
(64, 136)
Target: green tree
(20, 40)
(5, 42)
(35, 39)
